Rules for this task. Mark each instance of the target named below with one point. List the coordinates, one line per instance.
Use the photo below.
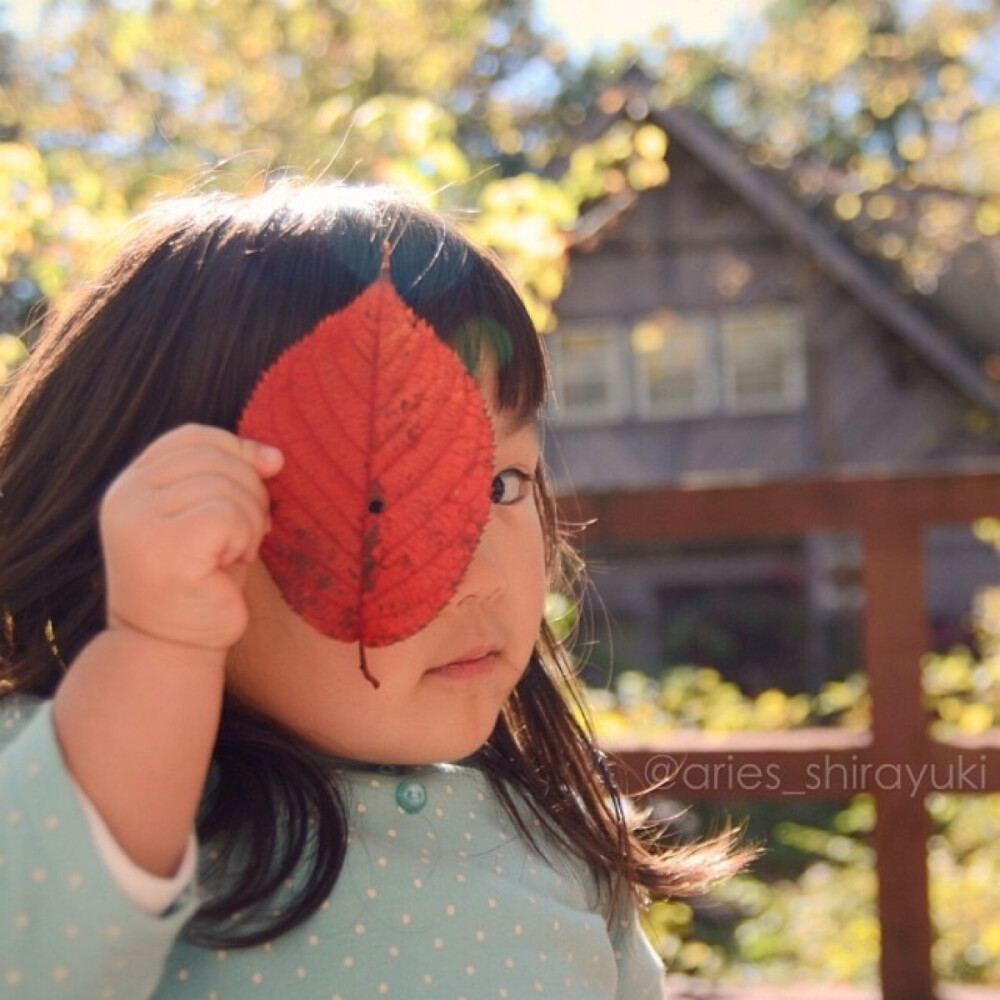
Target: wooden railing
(891, 515)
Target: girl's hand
(179, 527)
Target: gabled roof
(790, 218)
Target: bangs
(220, 286)
(464, 293)
(505, 349)
(459, 288)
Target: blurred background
(763, 241)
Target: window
(589, 374)
(671, 365)
(674, 368)
(763, 361)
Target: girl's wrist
(136, 717)
(150, 645)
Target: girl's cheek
(537, 543)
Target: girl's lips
(469, 666)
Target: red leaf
(388, 463)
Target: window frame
(706, 399)
(617, 407)
(628, 396)
(792, 395)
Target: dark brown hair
(177, 329)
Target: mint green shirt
(439, 898)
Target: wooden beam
(786, 508)
(965, 765)
(812, 763)
(896, 762)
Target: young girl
(437, 825)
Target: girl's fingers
(223, 527)
(199, 478)
(199, 463)
(188, 435)
(265, 458)
(187, 494)
(245, 467)
(178, 526)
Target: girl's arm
(66, 928)
(137, 714)
(136, 719)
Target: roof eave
(835, 260)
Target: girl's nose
(485, 577)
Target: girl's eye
(510, 486)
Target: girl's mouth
(475, 663)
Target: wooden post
(891, 513)
(895, 640)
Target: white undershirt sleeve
(152, 894)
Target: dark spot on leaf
(301, 560)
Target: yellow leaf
(20, 160)
(645, 174)
(847, 206)
(650, 142)
(12, 349)
(975, 718)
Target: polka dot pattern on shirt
(433, 903)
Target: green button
(411, 796)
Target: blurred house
(725, 327)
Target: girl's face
(442, 689)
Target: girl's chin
(446, 748)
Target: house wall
(640, 594)
(690, 246)
(870, 405)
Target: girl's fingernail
(270, 453)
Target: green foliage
(821, 926)
(560, 613)
(963, 693)
(807, 910)
(117, 103)
(813, 917)
(689, 697)
(962, 690)
(112, 105)
(12, 353)
(965, 887)
(897, 106)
